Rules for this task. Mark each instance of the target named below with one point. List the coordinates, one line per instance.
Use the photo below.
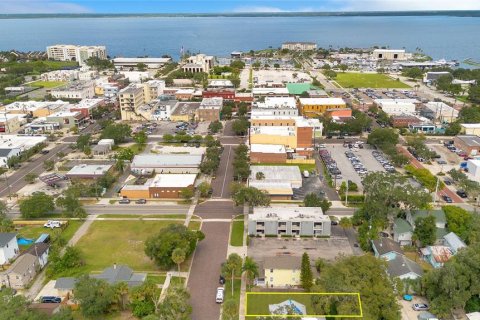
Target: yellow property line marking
(306, 293)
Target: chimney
(114, 265)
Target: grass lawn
(462, 98)
(34, 231)
(156, 278)
(47, 84)
(301, 166)
(194, 225)
(257, 304)
(177, 281)
(121, 242)
(236, 292)
(236, 237)
(368, 80)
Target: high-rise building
(65, 52)
(131, 98)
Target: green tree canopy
(37, 205)
(306, 277)
(425, 230)
(95, 296)
(161, 246)
(118, 132)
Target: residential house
(280, 272)
(8, 247)
(121, 273)
(436, 255)
(40, 251)
(6, 154)
(454, 242)
(64, 287)
(440, 223)
(386, 248)
(402, 232)
(21, 272)
(403, 268)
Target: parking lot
(278, 76)
(326, 249)
(312, 184)
(169, 127)
(364, 159)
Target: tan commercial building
(10, 123)
(299, 46)
(199, 63)
(76, 90)
(389, 54)
(184, 111)
(314, 107)
(470, 128)
(152, 89)
(209, 109)
(131, 98)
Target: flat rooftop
(166, 160)
(267, 91)
(278, 103)
(267, 148)
(277, 173)
(273, 130)
(182, 108)
(286, 213)
(321, 101)
(470, 140)
(141, 60)
(173, 180)
(21, 142)
(89, 170)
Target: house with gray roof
(404, 268)
(8, 247)
(40, 251)
(121, 273)
(386, 248)
(453, 241)
(21, 272)
(403, 228)
(65, 286)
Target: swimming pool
(24, 241)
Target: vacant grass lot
(121, 242)
(236, 237)
(47, 84)
(368, 80)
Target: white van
(53, 224)
(306, 174)
(220, 294)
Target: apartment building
(299, 46)
(152, 89)
(64, 52)
(289, 221)
(60, 75)
(76, 90)
(314, 107)
(131, 98)
(209, 109)
(199, 63)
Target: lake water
(439, 36)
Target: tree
(250, 195)
(168, 138)
(176, 304)
(48, 165)
(83, 141)
(118, 132)
(187, 193)
(120, 292)
(346, 223)
(363, 274)
(330, 74)
(31, 177)
(37, 205)
(141, 66)
(306, 277)
(313, 200)
(204, 188)
(425, 230)
(140, 137)
(145, 299)
(412, 73)
(6, 225)
(226, 111)
(240, 126)
(232, 267)
(259, 176)
(70, 203)
(17, 307)
(71, 259)
(95, 296)
(178, 256)
(276, 65)
(237, 64)
(459, 221)
(242, 109)
(160, 247)
(125, 154)
(215, 126)
(250, 267)
(474, 93)
(343, 67)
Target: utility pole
(346, 195)
(436, 191)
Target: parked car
(124, 201)
(52, 224)
(141, 201)
(221, 280)
(462, 194)
(447, 199)
(420, 307)
(51, 299)
(45, 151)
(220, 294)
(448, 182)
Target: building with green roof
(299, 88)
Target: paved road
(17, 180)
(341, 211)
(136, 209)
(212, 251)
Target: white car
(220, 295)
(53, 224)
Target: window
(271, 271)
(395, 56)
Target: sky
(214, 6)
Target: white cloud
(267, 9)
(40, 6)
(406, 5)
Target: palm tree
(178, 256)
(121, 293)
(250, 267)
